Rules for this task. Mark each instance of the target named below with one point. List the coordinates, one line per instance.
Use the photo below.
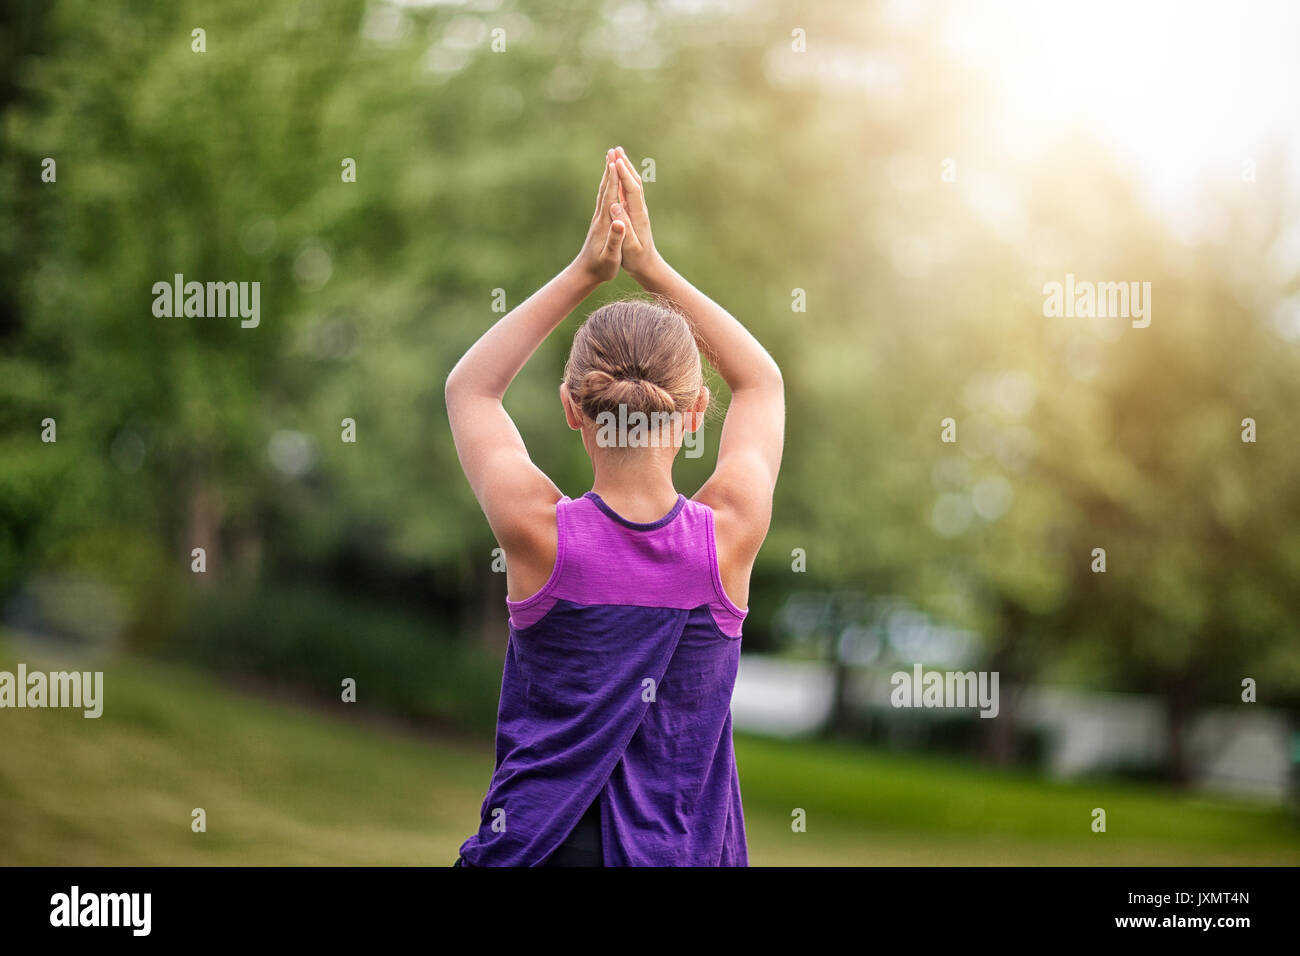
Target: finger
(618, 212)
(622, 152)
(613, 159)
(628, 177)
(635, 197)
(614, 241)
(607, 183)
(603, 191)
(619, 159)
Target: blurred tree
(852, 203)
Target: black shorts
(582, 847)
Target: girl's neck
(640, 488)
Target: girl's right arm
(749, 453)
(516, 496)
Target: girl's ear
(699, 408)
(571, 414)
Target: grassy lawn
(287, 785)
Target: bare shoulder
(741, 518)
(521, 513)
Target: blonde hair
(636, 353)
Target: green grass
(880, 808)
(286, 785)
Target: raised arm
(749, 452)
(517, 498)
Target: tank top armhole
(542, 593)
(716, 572)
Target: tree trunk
(839, 722)
(483, 611)
(1002, 737)
(204, 516)
(1002, 742)
(1178, 716)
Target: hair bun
(601, 391)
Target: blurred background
(880, 191)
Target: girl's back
(617, 688)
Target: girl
(613, 744)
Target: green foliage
(312, 640)
(475, 172)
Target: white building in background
(1244, 750)
(781, 698)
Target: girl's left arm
(515, 495)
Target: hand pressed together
(619, 234)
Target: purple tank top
(617, 687)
